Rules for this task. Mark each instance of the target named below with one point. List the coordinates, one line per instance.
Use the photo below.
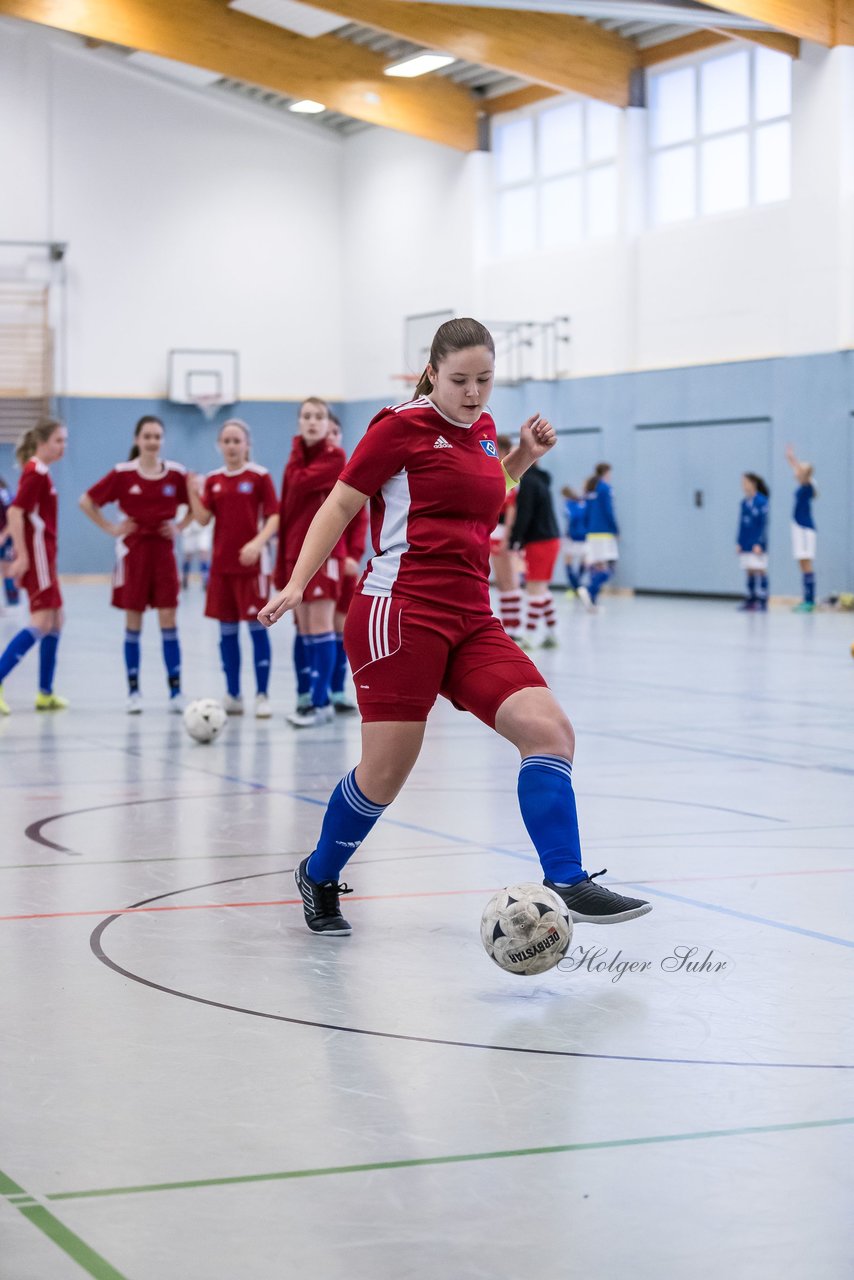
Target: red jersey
(239, 500)
(148, 501)
(36, 497)
(436, 488)
(309, 478)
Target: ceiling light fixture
(419, 65)
(307, 107)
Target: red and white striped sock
(549, 614)
(510, 611)
(535, 612)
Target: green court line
(460, 1159)
(63, 1236)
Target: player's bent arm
(95, 514)
(21, 561)
(200, 512)
(268, 528)
(536, 437)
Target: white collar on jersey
(466, 426)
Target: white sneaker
(263, 710)
(134, 704)
(584, 597)
(310, 717)
(233, 704)
(176, 704)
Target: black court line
(96, 944)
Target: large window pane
(560, 139)
(724, 173)
(773, 84)
(673, 185)
(603, 123)
(672, 99)
(516, 224)
(773, 162)
(560, 212)
(724, 93)
(514, 151)
(602, 201)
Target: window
(719, 134)
(556, 177)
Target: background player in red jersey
(149, 492)
(421, 623)
(241, 500)
(309, 477)
(32, 524)
(349, 552)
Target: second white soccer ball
(205, 719)
(526, 928)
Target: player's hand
(537, 436)
(123, 527)
(279, 605)
(351, 567)
(758, 551)
(168, 530)
(250, 553)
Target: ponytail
(761, 486)
(30, 440)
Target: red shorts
(236, 597)
(403, 654)
(325, 585)
(540, 560)
(349, 582)
(145, 576)
(43, 590)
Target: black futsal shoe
(591, 903)
(320, 903)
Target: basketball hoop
(209, 405)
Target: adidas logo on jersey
(134, 489)
(441, 443)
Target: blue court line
(739, 915)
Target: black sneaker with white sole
(591, 903)
(320, 903)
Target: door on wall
(689, 490)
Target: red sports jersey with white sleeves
(36, 497)
(436, 488)
(240, 501)
(149, 501)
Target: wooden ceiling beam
(807, 19)
(697, 41)
(206, 33)
(565, 54)
(516, 99)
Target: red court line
(383, 897)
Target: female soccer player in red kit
(421, 623)
(149, 492)
(242, 502)
(32, 524)
(349, 552)
(309, 477)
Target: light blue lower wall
(657, 429)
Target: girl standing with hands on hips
(149, 492)
(242, 502)
(421, 622)
(752, 542)
(32, 526)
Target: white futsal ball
(205, 719)
(526, 928)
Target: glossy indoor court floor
(196, 1088)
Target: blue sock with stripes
(349, 818)
(339, 670)
(302, 666)
(809, 588)
(132, 659)
(172, 658)
(751, 586)
(597, 582)
(547, 802)
(261, 655)
(47, 661)
(763, 588)
(322, 656)
(229, 651)
(19, 645)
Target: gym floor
(196, 1088)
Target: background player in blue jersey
(752, 541)
(575, 546)
(803, 528)
(602, 533)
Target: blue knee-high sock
(47, 661)
(809, 588)
(322, 651)
(751, 586)
(132, 659)
(16, 648)
(339, 670)
(548, 809)
(573, 577)
(261, 655)
(762, 591)
(349, 818)
(172, 658)
(11, 590)
(302, 666)
(229, 651)
(597, 582)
